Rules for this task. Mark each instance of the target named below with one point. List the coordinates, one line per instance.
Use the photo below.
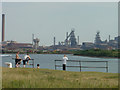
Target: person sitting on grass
(27, 58)
(38, 65)
(17, 60)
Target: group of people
(18, 60)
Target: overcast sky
(47, 20)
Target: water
(47, 61)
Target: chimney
(66, 34)
(78, 40)
(109, 37)
(3, 27)
(54, 41)
(32, 39)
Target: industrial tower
(35, 42)
(70, 39)
(97, 38)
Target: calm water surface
(47, 61)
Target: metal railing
(29, 64)
(80, 64)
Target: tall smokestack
(66, 34)
(3, 27)
(32, 38)
(54, 41)
(109, 37)
(78, 40)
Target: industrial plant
(71, 42)
(111, 44)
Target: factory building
(20, 45)
(114, 43)
(87, 45)
(108, 45)
(15, 45)
(111, 44)
(98, 40)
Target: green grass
(45, 78)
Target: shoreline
(71, 54)
(98, 57)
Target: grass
(45, 78)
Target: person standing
(17, 60)
(64, 62)
(26, 59)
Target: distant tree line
(98, 53)
(90, 52)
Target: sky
(53, 19)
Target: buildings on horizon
(71, 42)
(98, 43)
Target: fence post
(55, 64)
(15, 63)
(80, 65)
(106, 66)
(33, 63)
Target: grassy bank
(44, 78)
